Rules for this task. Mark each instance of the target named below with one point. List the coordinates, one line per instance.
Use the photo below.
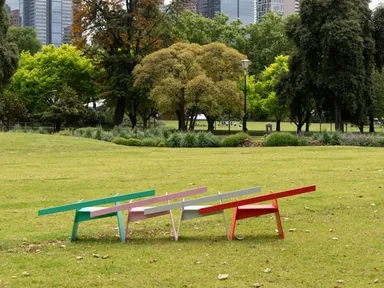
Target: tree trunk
(371, 123)
(211, 123)
(278, 122)
(361, 128)
(339, 126)
(119, 111)
(57, 125)
(133, 119)
(307, 121)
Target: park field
(337, 232)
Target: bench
(84, 209)
(190, 208)
(136, 209)
(247, 208)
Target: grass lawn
(344, 217)
(260, 126)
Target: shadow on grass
(165, 240)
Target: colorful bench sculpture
(190, 211)
(85, 208)
(246, 208)
(136, 209)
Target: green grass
(260, 126)
(39, 171)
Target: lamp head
(245, 63)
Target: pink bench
(136, 209)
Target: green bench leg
(120, 223)
(74, 227)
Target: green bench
(84, 208)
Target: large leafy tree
(8, 51)
(335, 44)
(121, 34)
(265, 92)
(266, 41)
(11, 109)
(46, 73)
(191, 79)
(25, 39)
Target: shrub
(174, 140)
(153, 142)
(235, 140)
(17, 128)
(98, 133)
(302, 141)
(336, 138)
(360, 140)
(325, 138)
(66, 132)
(189, 140)
(120, 141)
(88, 132)
(281, 139)
(207, 139)
(134, 142)
(107, 136)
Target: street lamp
(245, 64)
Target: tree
(65, 108)
(25, 39)
(8, 51)
(11, 109)
(265, 92)
(121, 33)
(378, 94)
(334, 41)
(47, 72)
(266, 41)
(191, 79)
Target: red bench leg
(233, 225)
(278, 219)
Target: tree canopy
(25, 39)
(8, 51)
(191, 79)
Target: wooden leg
(233, 225)
(74, 227)
(126, 227)
(181, 217)
(121, 226)
(279, 225)
(175, 235)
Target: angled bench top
(257, 199)
(202, 200)
(149, 201)
(96, 202)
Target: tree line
(142, 59)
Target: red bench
(247, 208)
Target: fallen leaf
(25, 273)
(267, 270)
(95, 255)
(240, 238)
(373, 204)
(197, 262)
(292, 229)
(257, 285)
(335, 238)
(340, 281)
(376, 281)
(222, 276)
(331, 230)
(307, 231)
(14, 277)
(105, 257)
(79, 257)
(62, 246)
(153, 261)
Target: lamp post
(245, 64)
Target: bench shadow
(251, 239)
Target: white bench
(190, 208)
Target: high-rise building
(284, 7)
(15, 18)
(235, 9)
(52, 19)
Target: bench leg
(121, 226)
(126, 227)
(175, 235)
(279, 225)
(225, 226)
(233, 225)
(181, 217)
(74, 227)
